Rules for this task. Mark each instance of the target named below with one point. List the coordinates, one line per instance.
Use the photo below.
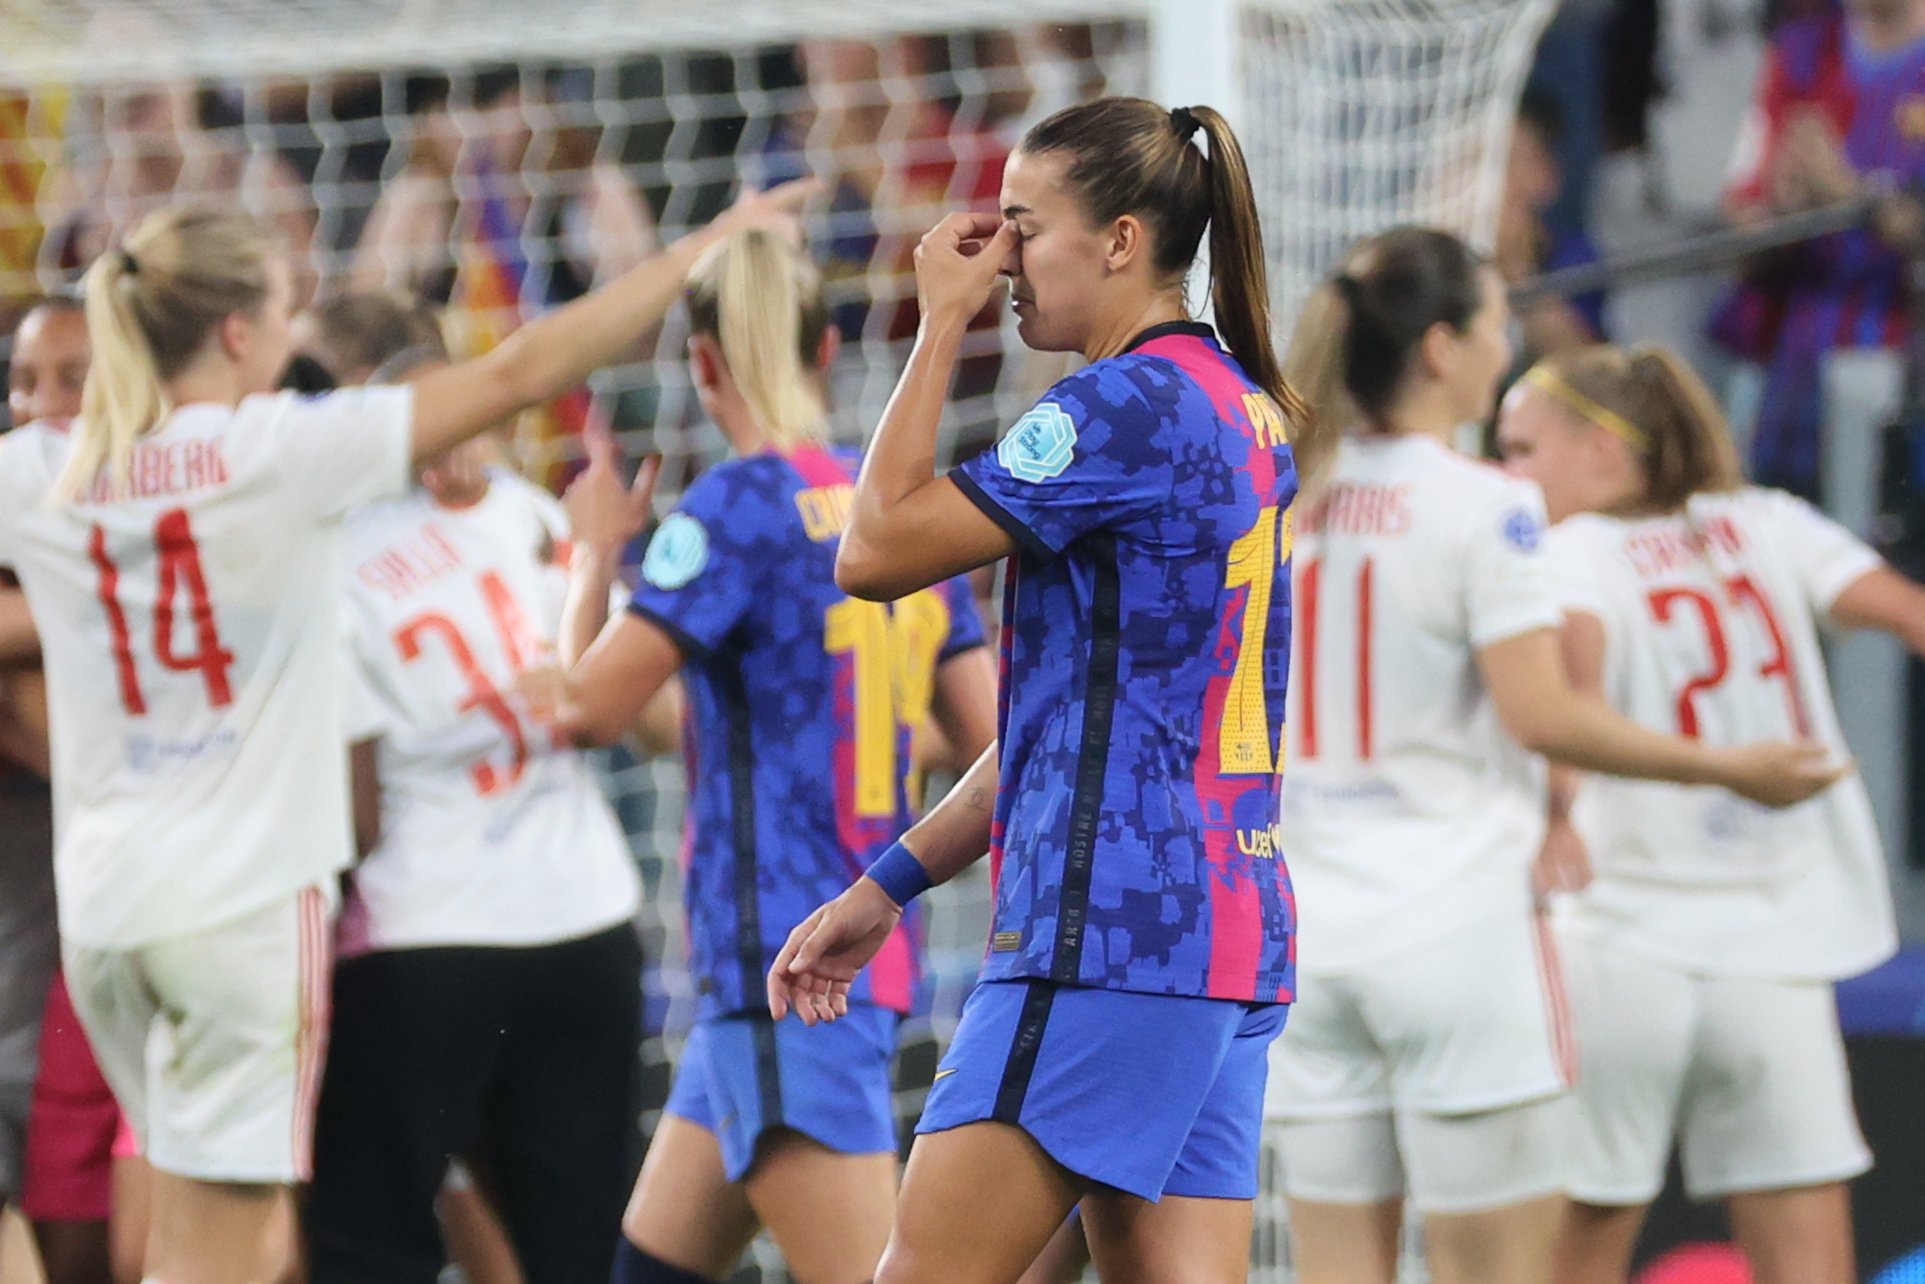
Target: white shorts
(1439, 1074)
(213, 1042)
(1468, 1024)
(1748, 1075)
(1444, 1164)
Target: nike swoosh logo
(943, 1074)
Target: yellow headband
(1609, 420)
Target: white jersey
(1710, 632)
(492, 834)
(1407, 812)
(191, 637)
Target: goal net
(502, 156)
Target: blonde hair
(1313, 365)
(151, 304)
(761, 299)
(1681, 439)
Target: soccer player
(1700, 958)
(179, 549)
(1140, 959)
(1429, 1050)
(801, 705)
(484, 999)
(66, 1187)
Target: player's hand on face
(822, 956)
(602, 511)
(959, 262)
(1563, 863)
(1778, 774)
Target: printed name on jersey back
(1268, 428)
(165, 468)
(1656, 552)
(825, 510)
(1360, 509)
(410, 565)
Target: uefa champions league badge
(1523, 530)
(678, 552)
(1040, 445)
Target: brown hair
(1130, 156)
(1687, 446)
(151, 305)
(366, 329)
(1360, 328)
(761, 299)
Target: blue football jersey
(801, 701)
(1146, 642)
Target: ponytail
(152, 303)
(1130, 156)
(1691, 448)
(1313, 365)
(761, 300)
(1650, 399)
(1239, 275)
(123, 397)
(1362, 326)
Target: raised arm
(910, 528)
(1538, 706)
(553, 353)
(604, 516)
(597, 700)
(1883, 599)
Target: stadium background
(498, 156)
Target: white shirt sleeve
(1572, 559)
(1508, 589)
(1825, 557)
(344, 448)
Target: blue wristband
(899, 874)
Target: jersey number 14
(179, 569)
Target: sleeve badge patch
(1040, 445)
(1523, 530)
(678, 552)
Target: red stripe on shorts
(1551, 975)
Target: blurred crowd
(1649, 122)
(500, 191)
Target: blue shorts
(742, 1075)
(1152, 1094)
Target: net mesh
(1370, 113)
(549, 147)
